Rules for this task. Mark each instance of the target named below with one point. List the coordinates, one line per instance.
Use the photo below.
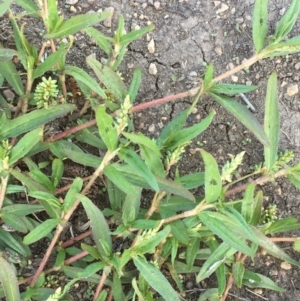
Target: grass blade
(260, 24)
(271, 124)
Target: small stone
(234, 78)
(297, 66)
(73, 9)
(193, 74)
(151, 46)
(107, 22)
(230, 66)
(144, 5)
(292, 90)
(218, 50)
(152, 69)
(156, 5)
(9, 95)
(258, 291)
(223, 9)
(151, 128)
(71, 2)
(217, 3)
(285, 265)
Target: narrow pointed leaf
(135, 34)
(284, 48)
(210, 295)
(40, 231)
(180, 232)
(244, 116)
(85, 78)
(247, 203)
(32, 120)
(107, 130)
(100, 229)
(135, 161)
(260, 24)
(57, 171)
(230, 89)
(104, 42)
(131, 205)
(156, 279)
(287, 22)
(238, 270)
(109, 78)
(21, 209)
(70, 197)
(257, 207)
(213, 182)
(14, 222)
(75, 24)
(4, 6)
(7, 54)
(24, 145)
(9, 281)
(52, 14)
(135, 84)
(191, 251)
(271, 124)
(29, 6)
(219, 225)
(208, 76)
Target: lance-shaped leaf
(104, 42)
(287, 22)
(230, 89)
(21, 209)
(247, 203)
(284, 48)
(238, 270)
(260, 24)
(244, 116)
(271, 124)
(208, 76)
(111, 80)
(5, 107)
(100, 229)
(213, 182)
(52, 15)
(75, 24)
(4, 6)
(24, 145)
(135, 34)
(51, 60)
(135, 84)
(131, 205)
(57, 171)
(156, 279)
(7, 54)
(40, 231)
(107, 130)
(135, 161)
(85, 78)
(9, 281)
(32, 120)
(29, 6)
(70, 198)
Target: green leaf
(175, 277)
(257, 206)
(107, 130)
(70, 197)
(257, 280)
(230, 89)
(244, 116)
(287, 22)
(75, 24)
(135, 34)
(260, 24)
(57, 171)
(272, 249)
(283, 225)
(24, 145)
(21, 209)
(219, 225)
(104, 42)
(271, 124)
(4, 6)
(213, 182)
(289, 47)
(61, 148)
(210, 295)
(9, 71)
(7, 54)
(247, 203)
(135, 84)
(9, 281)
(40, 231)
(86, 136)
(238, 270)
(32, 120)
(135, 161)
(179, 231)
(91, 269)
(156, 279)
(38, 176)
(92, 251)
(51, 60)
(148, 245)
(208, 76)
(82, 76)
(29, 6)
(191, 251)
(193, 180)
(218, 256)
(190, 133)
(83, 158)
(100, 229)
(296, 245)
(164, 185)
(14, 222)
(111, 80)
(5, 107)
(52, 15)
(131, 205)
(115, 194)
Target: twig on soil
(256, 294)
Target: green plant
(211, 234)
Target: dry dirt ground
(189, 35)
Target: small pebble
(285, 265)
(152, 69)
(223, 9)
(156, 5)
(292, 90)
(9, 95)
(151, 46)
(234, 78)
(71, 2)
(218, 50)
(151, 128)
(107, 22)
